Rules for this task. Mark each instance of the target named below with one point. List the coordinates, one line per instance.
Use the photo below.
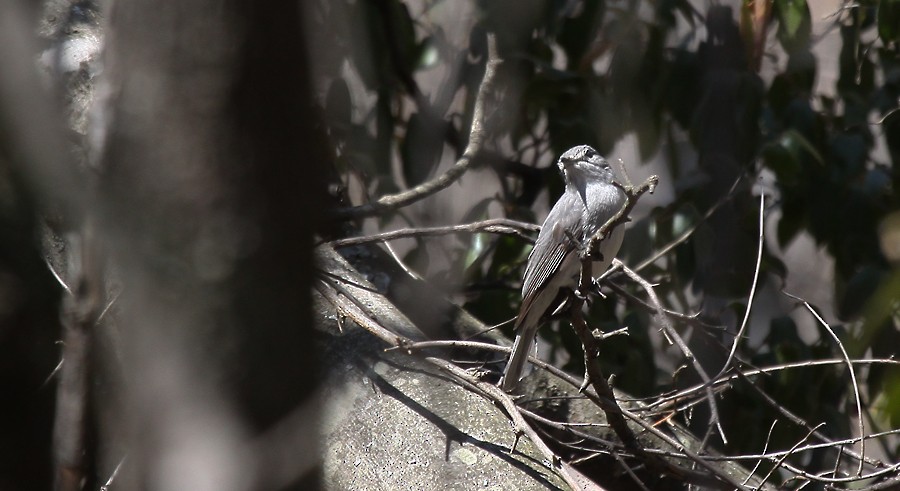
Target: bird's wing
(551, 249)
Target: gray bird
(554, 265)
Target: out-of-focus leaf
(367, 38)
(417, 258)
(339, 107)
(429, 54)
(889, 20)
(794, 23)
(880, 304)
(858, 291)
(851, 152)
(857, 75)
(886, 406)
(578, 31)
(638, 243)
(683, 92)
(478, 242)
(647, 126)
(785, 342)
(421, 148)
(403, 34)
(384, 133)
(510, 252)
(666, 10)
(773, 265)
(801, 71)
(630, 357)
(889, 237)
(782, 159)
(685, 255)
(792, 219)
(476, 249)
(494, 306)
(685, 218)
(784, 156)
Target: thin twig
(359, 315)
(801, 422)
(674, 335)
(786, 455)
(702, 478)
(58, 277)
(861, 423)
(690, 231)
(746, 319)
(765, 450)
(112, 477)
(406, 269)
(605, 397)
(473, 149)
(494, 225)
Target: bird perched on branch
(554, 265)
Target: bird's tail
(516, 365)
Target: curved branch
(473, 149)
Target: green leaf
(889, 20)
(794, 23)
(784, 156)
(858, 291)
(886, 406)
(429, 54)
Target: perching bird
(554, 265)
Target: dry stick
(572, 477)
(679, 341)
(786, 455)
(859, 413)
(473, 148)
(894, 469)
(594, 374)
(494, 225)
(576, 383)
(687, 475)
(112, 477)
(765, 449)
(346, 305)
(770, 369)
(81, 311)
(800, 421)
(778, 453)
(689, 319)
(746, 319)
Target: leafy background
(728, 101)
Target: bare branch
(859, 413)
(494, 226)
(740, 333)
(348, 304)
(473, 149)
(81, 310)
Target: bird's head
(584, 164)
